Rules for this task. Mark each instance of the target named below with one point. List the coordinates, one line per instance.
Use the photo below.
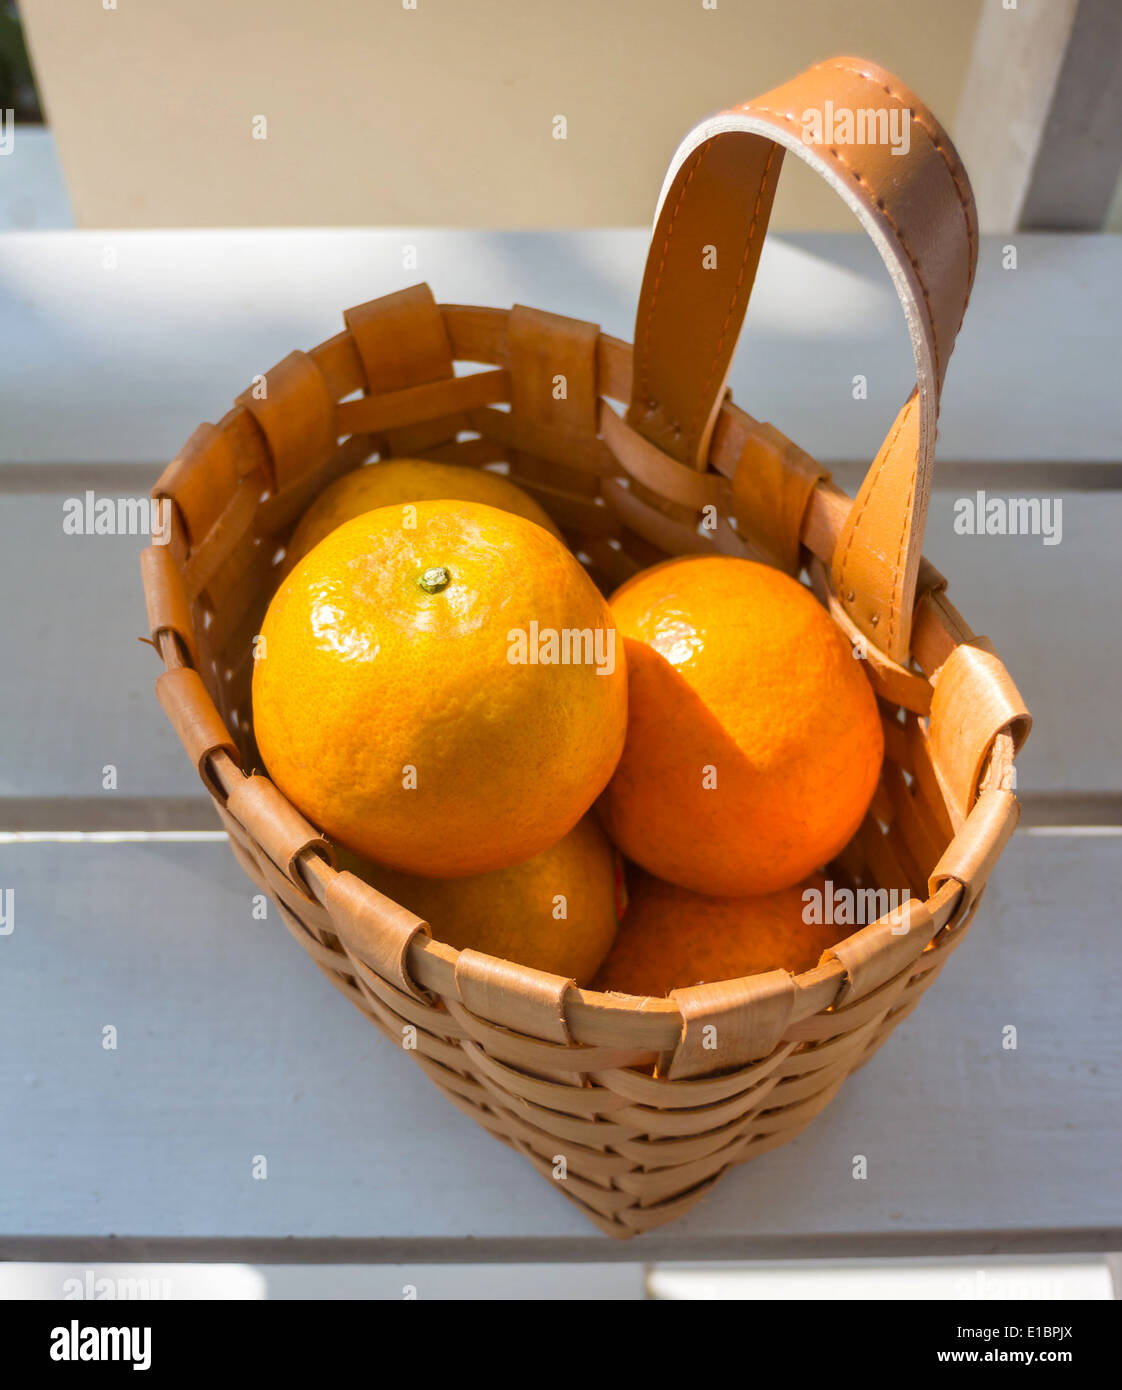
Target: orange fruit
(420, 695)
(672, 938)
(753, 744)
(555, 912)
(406, 480)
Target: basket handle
(911, 194)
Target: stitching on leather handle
(897, 569)
(971, 237)
(645, 355)
(868, 495)
(789, 117)
(882, 207)
(695, 423)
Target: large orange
(419, 694)
(754, 742)
(672, 938)
(406, 480)
(555, 912)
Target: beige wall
(440, 115)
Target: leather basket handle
(912, 195)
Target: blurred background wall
(442, 114)
(205, 113)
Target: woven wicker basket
(646, 1101)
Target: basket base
(627, 1166)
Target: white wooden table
(130, 913)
